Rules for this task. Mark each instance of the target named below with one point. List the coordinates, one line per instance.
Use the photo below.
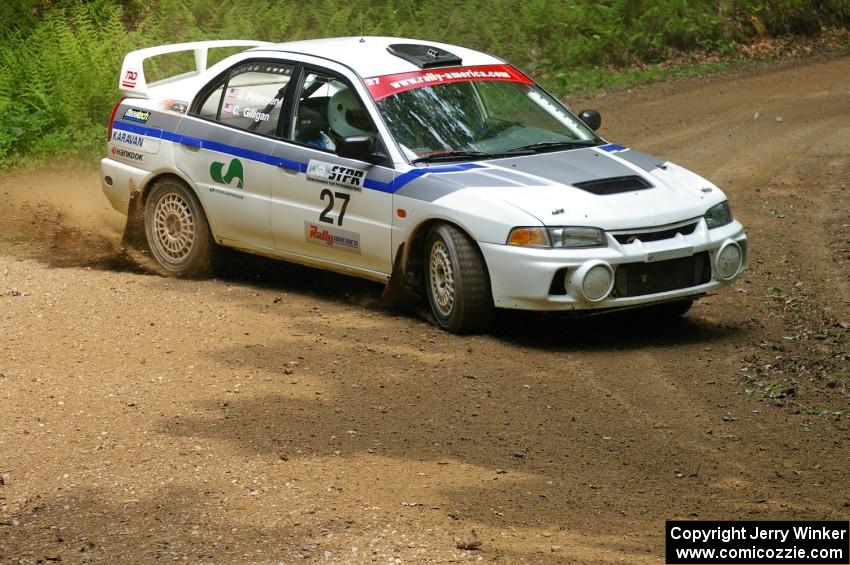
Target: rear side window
(251, 98)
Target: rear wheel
(456, 281)
(177, 231)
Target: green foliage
(59, 59)
(55, 81)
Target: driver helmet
(346, 115)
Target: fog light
(729, 261)
(594, 280)
(108, 180)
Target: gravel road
(278, 414)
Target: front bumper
(525, 278)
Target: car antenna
(360, 18)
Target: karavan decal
(129, 139)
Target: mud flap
(133, 241)
(397, 293)
(134, 230)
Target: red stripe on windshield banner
(387, 85)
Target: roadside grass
(87, 143)
(59, 59)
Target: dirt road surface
(277, 414)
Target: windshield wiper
(544, 145)
(452, 156)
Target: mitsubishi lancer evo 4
(438, 170)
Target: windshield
(474, 117)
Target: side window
(327, 110)
(254, 96)
(209, 109)
(251, 98)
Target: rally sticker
(178, 106)
(128, 139)
(337, 175)
(130, 78)
(387, 85)
(330, 237)
(135, 115)
(127, 155)
(232, 176)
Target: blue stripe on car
(390, 187)
(612, 148)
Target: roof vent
(424, 56)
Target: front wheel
(177, 231)
(456, 281)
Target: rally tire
(177, 231)
(456, 281)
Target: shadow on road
(59, 243)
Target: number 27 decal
(329, 195)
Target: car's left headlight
(718, 215)
(566, 237)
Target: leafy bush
(59, 59)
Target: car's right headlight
(562, 237)
(575, 237)
(718, 215)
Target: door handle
(288, 167)
(190, 144)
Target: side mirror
(591, 119)
(360, 147)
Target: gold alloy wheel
(442, 278)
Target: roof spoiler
(131, 81)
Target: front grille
(638, 279)
(626, 238)
(613, 185)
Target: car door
(226, 145)
(325, 206)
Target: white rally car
(433, 168)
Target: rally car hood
(612, 190)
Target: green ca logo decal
(234, 171)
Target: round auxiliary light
(729, 260)
(597, 282)
(594, 280)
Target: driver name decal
(387, 85)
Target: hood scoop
(613, 185)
